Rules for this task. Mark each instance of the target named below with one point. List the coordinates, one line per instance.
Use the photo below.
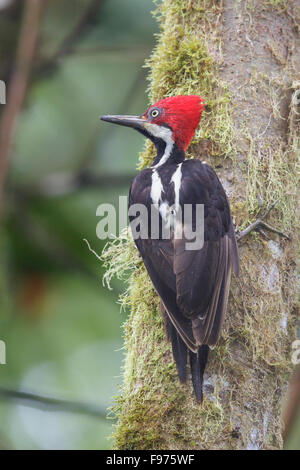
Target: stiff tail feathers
(179, 351)
(198, 360)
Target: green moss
(280, 5)
(271, 162)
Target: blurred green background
(62, 329)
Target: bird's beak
(137, 122)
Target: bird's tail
(198, 362)
(179, 349)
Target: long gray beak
(129, 121)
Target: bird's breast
(165, 190)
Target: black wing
(203, 276)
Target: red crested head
(180, 113)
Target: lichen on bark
(218, 50)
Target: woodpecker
(193, 285)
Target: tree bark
(243, 58)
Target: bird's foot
(260, 226)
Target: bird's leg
(260, 225)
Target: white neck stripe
(156, 188)
(165, 134)
(176, 179)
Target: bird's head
(171, 119)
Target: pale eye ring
(154, 113)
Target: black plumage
(193, 285)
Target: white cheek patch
(165, 134)
(161, 132)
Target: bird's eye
(154, 113)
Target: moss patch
(271, 161)
(280, 5)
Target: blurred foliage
(61, 327)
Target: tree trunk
(243, 58)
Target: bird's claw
(260, 226)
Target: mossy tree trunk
(242, 56)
